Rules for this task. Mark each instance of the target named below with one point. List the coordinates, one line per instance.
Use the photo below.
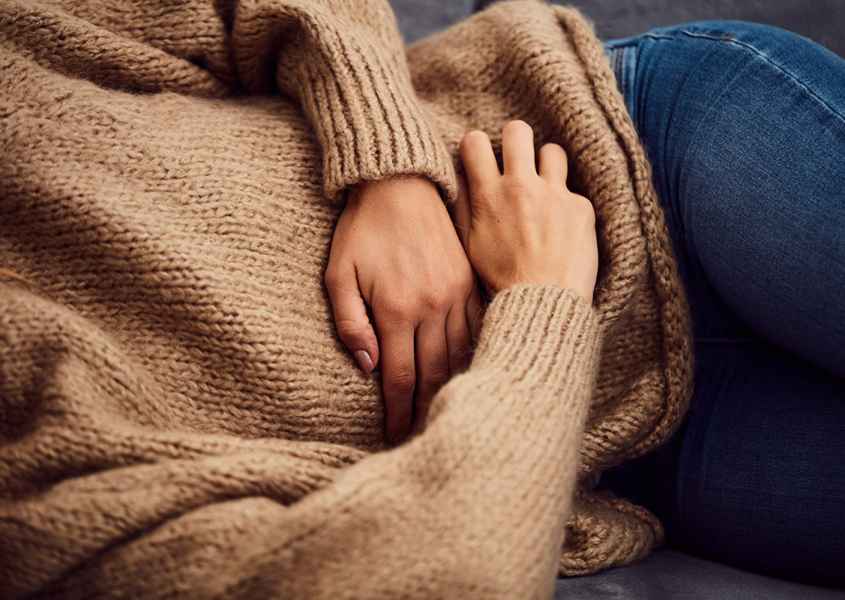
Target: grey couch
(823, 21)
(667, 574)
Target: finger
(553, 167)
(350, 316)
(474, 311)
(463, 212)
(479, 159)
(458, 340)
(518, 148)
(398, 376)
(432, 359)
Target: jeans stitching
(614, 59)
(764, 56)
(634, 41)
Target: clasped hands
(397, 250)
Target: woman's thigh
(744, 127)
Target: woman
(745, 126)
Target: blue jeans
(745, 127)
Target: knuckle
(463, 354)
(402, 380)
(484, 199)
(331, 277)
(399, 308)
(516, 189)
(435, 376)
(435, 297)
(585, 208)
(347, 329)
(584, 205)
(338, 274)
(464, 283)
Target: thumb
(350, 317)
(463, 212)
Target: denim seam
(620, 55)
(635, 40)
(614, 63)
(764, 56)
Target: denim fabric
(744, 125)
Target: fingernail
(364, 360)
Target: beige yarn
(554, 73)
(177, 415)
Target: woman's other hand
(395, 248)
(524, 227)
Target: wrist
(394, 186)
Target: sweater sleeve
(344, 62)
(473, 507)
(341, 61)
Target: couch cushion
(672, 574)
(819, 20)
(420, 18)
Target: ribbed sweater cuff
(539, 333)
(370, 123)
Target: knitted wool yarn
(564, 87)
(177, 414)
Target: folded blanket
(178, 417)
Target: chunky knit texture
(177, 414)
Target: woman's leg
(745, 127)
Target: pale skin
(397, 249)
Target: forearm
(342, 62)
(475, 506)
(478, 502)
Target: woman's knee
(735, 43)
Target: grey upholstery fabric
(823, 21)
(420, 18)
(667, 574)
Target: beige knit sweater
(177, 415)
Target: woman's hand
(522, 227)
(395, 248)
